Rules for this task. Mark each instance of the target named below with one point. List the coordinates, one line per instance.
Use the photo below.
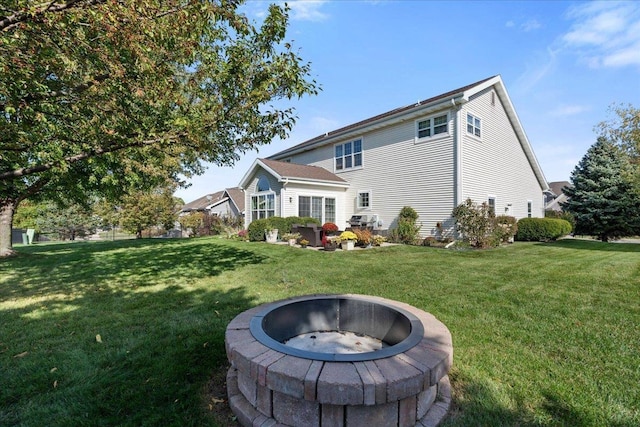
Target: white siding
(291, 193)
(496, 164)
(399, 172)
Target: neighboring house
(432, 155)
(229, 202)
(555, 196)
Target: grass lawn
(132, 332)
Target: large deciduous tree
(106, 96)
(603, 199)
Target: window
(432, 126)
(263, 204)
(473, 125)
(348, 155)
(492, 205)
(364, 199)
(263, 184)
(528, 208)
(315, 207)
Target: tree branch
(17, 173)
(8, 23)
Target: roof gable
(454, 97)
(202, 202)
(293, 172)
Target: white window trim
(466, 129)
(324, 205)
(364, 208)
(433, 137)
(262, 193)
(345, 169)
(495, 203)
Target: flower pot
(331, 246)
(271, 235)
(347, 245)
(292, 242)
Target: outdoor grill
(358, 221)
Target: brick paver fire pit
(404, 383)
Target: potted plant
(292, 238)
(330, 243)
(271, 234)
(304, 243)
(377, 240)
(329, 228)
(364, 237)
(348, 240)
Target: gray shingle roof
(294, 170)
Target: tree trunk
(7, 208)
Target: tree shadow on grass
(112, 334)
(90, 345)
(137, 263)
(593, 245)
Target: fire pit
(338, 360)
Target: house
(226, 203)
(431, 155)
(555, 195)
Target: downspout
(282, 196)
(457, 157)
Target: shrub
(475, 222)
(407, 229)
(505, 228)
(542, 229)
(257, 228)
(567, 216)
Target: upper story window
(474, 125)
(432, 126)
(348, 155)
(529, 208)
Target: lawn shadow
(72, 268)
(111, 355)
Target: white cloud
(569, 110)
(530, 25)
(510, 24)
(605, 34)
(307, 10)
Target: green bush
(505, 228)
(258, 227)
(562, 215)
(475, 222)
(542, 229)
(407, 230)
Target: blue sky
(563, 63)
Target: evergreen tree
(603, 199)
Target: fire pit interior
(338, 360)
